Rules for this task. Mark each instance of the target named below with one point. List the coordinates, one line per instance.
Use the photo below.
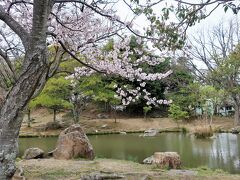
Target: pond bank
(55, 134)
(133, 125)
(41, 169)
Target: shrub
(203, 132)
(177, 113)
(184, 130)
(146, 109)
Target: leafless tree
(209, 51)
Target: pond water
(223, 152)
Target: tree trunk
(9, 148)
(11, 116)
(29, 118)
(77, 116)
(115, 115)
(236, 115)
(54, 115)
(76, 113)
(33, 75)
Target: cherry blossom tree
(28, 28)
(72, 27)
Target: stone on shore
(169, 160)
(33, 153)
(102, 116)
(175, 172)
(19, 174)
(102, 176)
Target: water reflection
(220, 152)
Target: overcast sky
(215, 18)
(218, 16)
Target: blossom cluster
(129, 96)
(119, 62)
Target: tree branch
(8, 62)
(107, 16)
(15, 26)
(208, 2)
(56, 62)
(76, 58)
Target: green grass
(206, 171)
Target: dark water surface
(223, 152)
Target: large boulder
(33, 153)
(73, 143)
(170, 160)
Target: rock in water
(235, 130)
(150, 132)
(164, 160)
(33, 153)
(73, 143)
(123, 132)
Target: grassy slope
(73, 169)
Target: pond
(223, 152)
